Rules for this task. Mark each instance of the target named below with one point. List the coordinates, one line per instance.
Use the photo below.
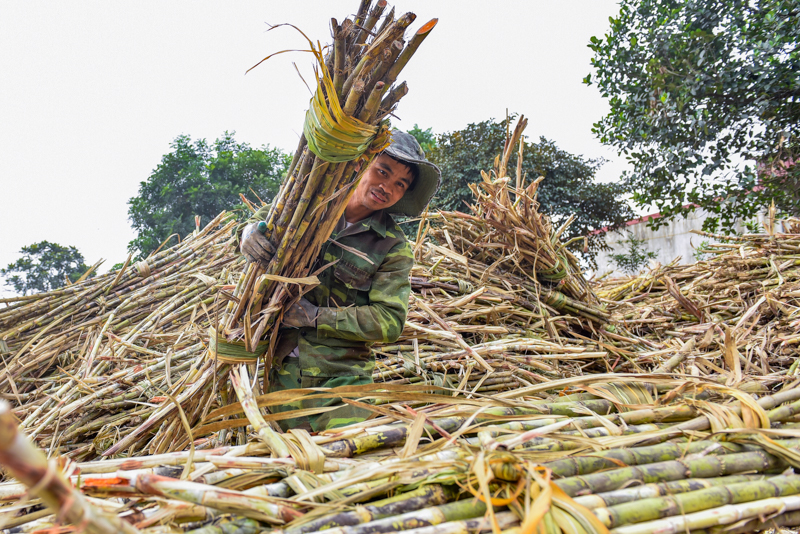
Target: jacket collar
(378, 221)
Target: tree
(704, 99)
(569, 187)
(425, 138)
(44, 266)
(634, 257)
(196, 178)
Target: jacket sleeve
(383, 319)
(260, 215)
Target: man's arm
(383, 319)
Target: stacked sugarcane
(101, 366)
(508, 235)
(737, 308)
(344, 128)
(618, 452)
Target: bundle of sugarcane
(616, 451)
(510, 234)
(345, 127)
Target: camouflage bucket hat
(405, 148)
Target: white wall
(668, 242)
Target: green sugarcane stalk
(338, 57)
(647, 491)
(298, 153)
(695, 501)
(408, 52)
(374, 14)
(227, 501)
(788, 519)
(389, 59)
(609, 459)
(30, 466)
(505, 520)
(424, 497)
(371, 105)
(391, 99)
(454, 511)
(239, 525)
(705, 467)
(724, 515)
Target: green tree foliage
(198, 178)
(425, 138)
(635, 256)
(569, 187)
(704, 104)
(44, 266)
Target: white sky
(93, 92)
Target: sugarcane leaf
(753, 414)
(306, 280)
(414, 434)
(567, 523)
(732, 357)
(541, 503)
(588, 521)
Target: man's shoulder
(393, 230)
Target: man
(362, 298)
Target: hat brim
(416, 200)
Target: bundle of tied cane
(345, 127)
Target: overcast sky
(93, 92)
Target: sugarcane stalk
(387, 21)
(241, 383)
(454, 511)
(709, 466)
(724, 515)
(373, 101)
(366, 28)
(30, 466)
(424, 497)
(584, 465)
(647, 491)
(338, 57)
(695, 501)
(227, 501)
(409, 51)
(392, 98)
(504, 521)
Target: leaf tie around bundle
(333, 135)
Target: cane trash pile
(519, 398)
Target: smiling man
(363, 294)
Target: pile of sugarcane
(735, 312)
(618, 453)
(345, 127)
(503, 406)
(509, 234)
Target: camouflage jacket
(363, 298)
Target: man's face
(383, 184)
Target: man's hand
(301, 314)
(255, 245)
